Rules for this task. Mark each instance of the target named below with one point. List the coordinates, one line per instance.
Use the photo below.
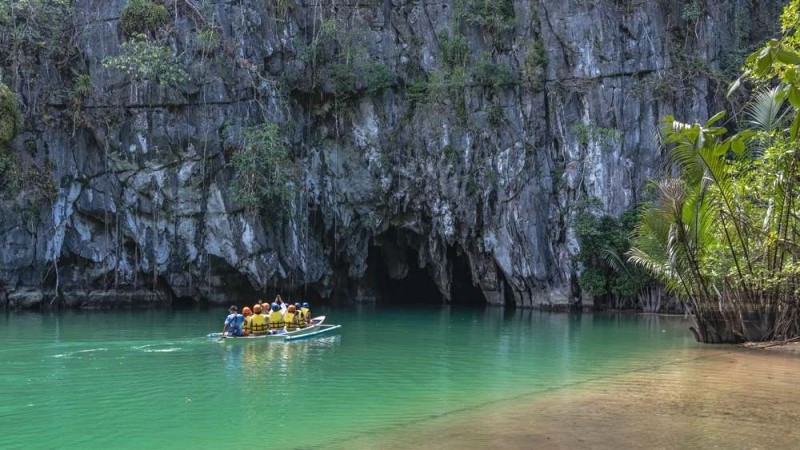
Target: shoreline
(789, 346)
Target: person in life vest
(246, 323)
(258, 322)
(306, 309)
(275, 319)
(301, 317)
(290, 318)
(233, 323)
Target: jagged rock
(491, 177)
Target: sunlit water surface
(391, 378)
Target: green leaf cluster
(496, 16)
(142, 59)
(338, 63)
(142, 17)
(10, 118)
(606, 274)
(34, 31)
(265, 176)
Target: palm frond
(766, 112)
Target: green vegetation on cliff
(142, 17)
(142, 59)
(10, 119)
(265, 176)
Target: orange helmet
(257, 308)
(246, 311)
(291, 308)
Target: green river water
(390, 378)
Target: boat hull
(284, 336)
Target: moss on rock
(10, 119)
(142, 17)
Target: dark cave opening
(394, 274)
(416, 287)
(464, 291)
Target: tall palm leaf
(766, 112)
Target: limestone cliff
(453, 138)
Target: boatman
(233, 323)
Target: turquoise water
(147, 379)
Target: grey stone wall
(494, 173)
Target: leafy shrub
(378, 78)
(145, 60)
(343, 79)
(10, 119)
(209, 40)
(142, 17)
(495, 15)
(265, 174)
(604, 241)
(455, 52)
(83, 85)
(417, 91)
(535, 65)
(9, 176)
(491, 74)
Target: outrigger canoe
(316, 328)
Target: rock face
(455, 138)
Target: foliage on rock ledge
(10, 119)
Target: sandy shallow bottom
(704, 398)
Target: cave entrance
(463, 291)
(401, 282)
(395, 275)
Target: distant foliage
(265, 175)
(34, 33)
(9, 176)
(534, 69)
(455, 51)
(692, 11)
(496, 16)
(606, 276)
(83, 85)
(142, 17)
(338, 63)
(142, 59)
(492, 74)
(588, 133)
(10, 119)
(378, 78)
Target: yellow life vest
(291, 321)
(258, 324)
(246, 325)
(301, 319)
(306, 313)
(275, 320)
